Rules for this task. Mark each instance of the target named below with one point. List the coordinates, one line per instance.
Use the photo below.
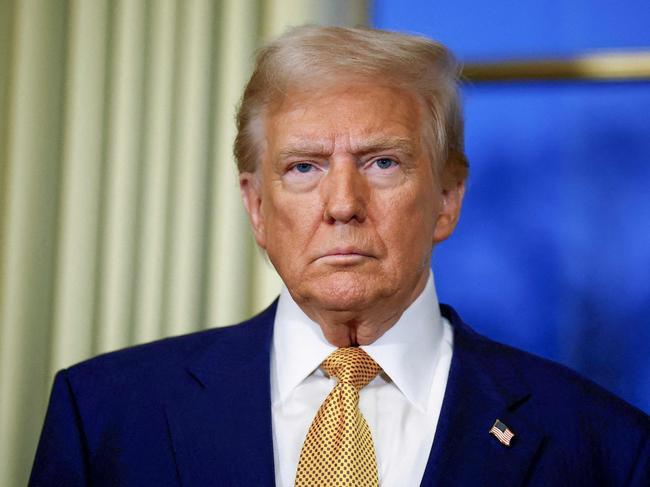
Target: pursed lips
(344, 255)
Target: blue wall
(553, 250)
(481, 29)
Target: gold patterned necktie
(338, 449)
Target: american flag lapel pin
(502, 432)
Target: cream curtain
(120, 219)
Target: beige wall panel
(190, 160)
(281, 14)
(156, 166)
(72, 333)
(6, 68)
(229, 278)
(33, 148)
(122, 172)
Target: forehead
(344, 116)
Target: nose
(344, 194)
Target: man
(351, 164)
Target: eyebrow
(380, 144)
(308, 149)
(367, 146)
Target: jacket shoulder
(568, 390)
(156, 366)
(560, 395)
(588, 435)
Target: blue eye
(384, 163)
(303, 167)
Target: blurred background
(120, 219)
(552, 253)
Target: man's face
(347, 203)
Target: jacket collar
(221, 424)
(483, 385)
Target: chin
(345, 291)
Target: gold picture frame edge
(605, 66)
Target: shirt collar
(408, 352)
(298, 348)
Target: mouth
(344, 256)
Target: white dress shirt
(401, 405)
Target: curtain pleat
(29, 246)
(159, 124)
(123, 168)
(120, 215)
(191, 113)
(230, 242)
(81, 171)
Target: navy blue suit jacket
(196, 411)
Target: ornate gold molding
(610, 66)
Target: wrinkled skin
(348, 206)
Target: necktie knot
(351, 365)
(338, 450)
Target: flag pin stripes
(502, 432)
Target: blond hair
(313, 56)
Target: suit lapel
(481, 388)
(221, 424)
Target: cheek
(289, 220)
(410, 236)
(408, 226)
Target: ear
(250, 187)
(452, 201)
